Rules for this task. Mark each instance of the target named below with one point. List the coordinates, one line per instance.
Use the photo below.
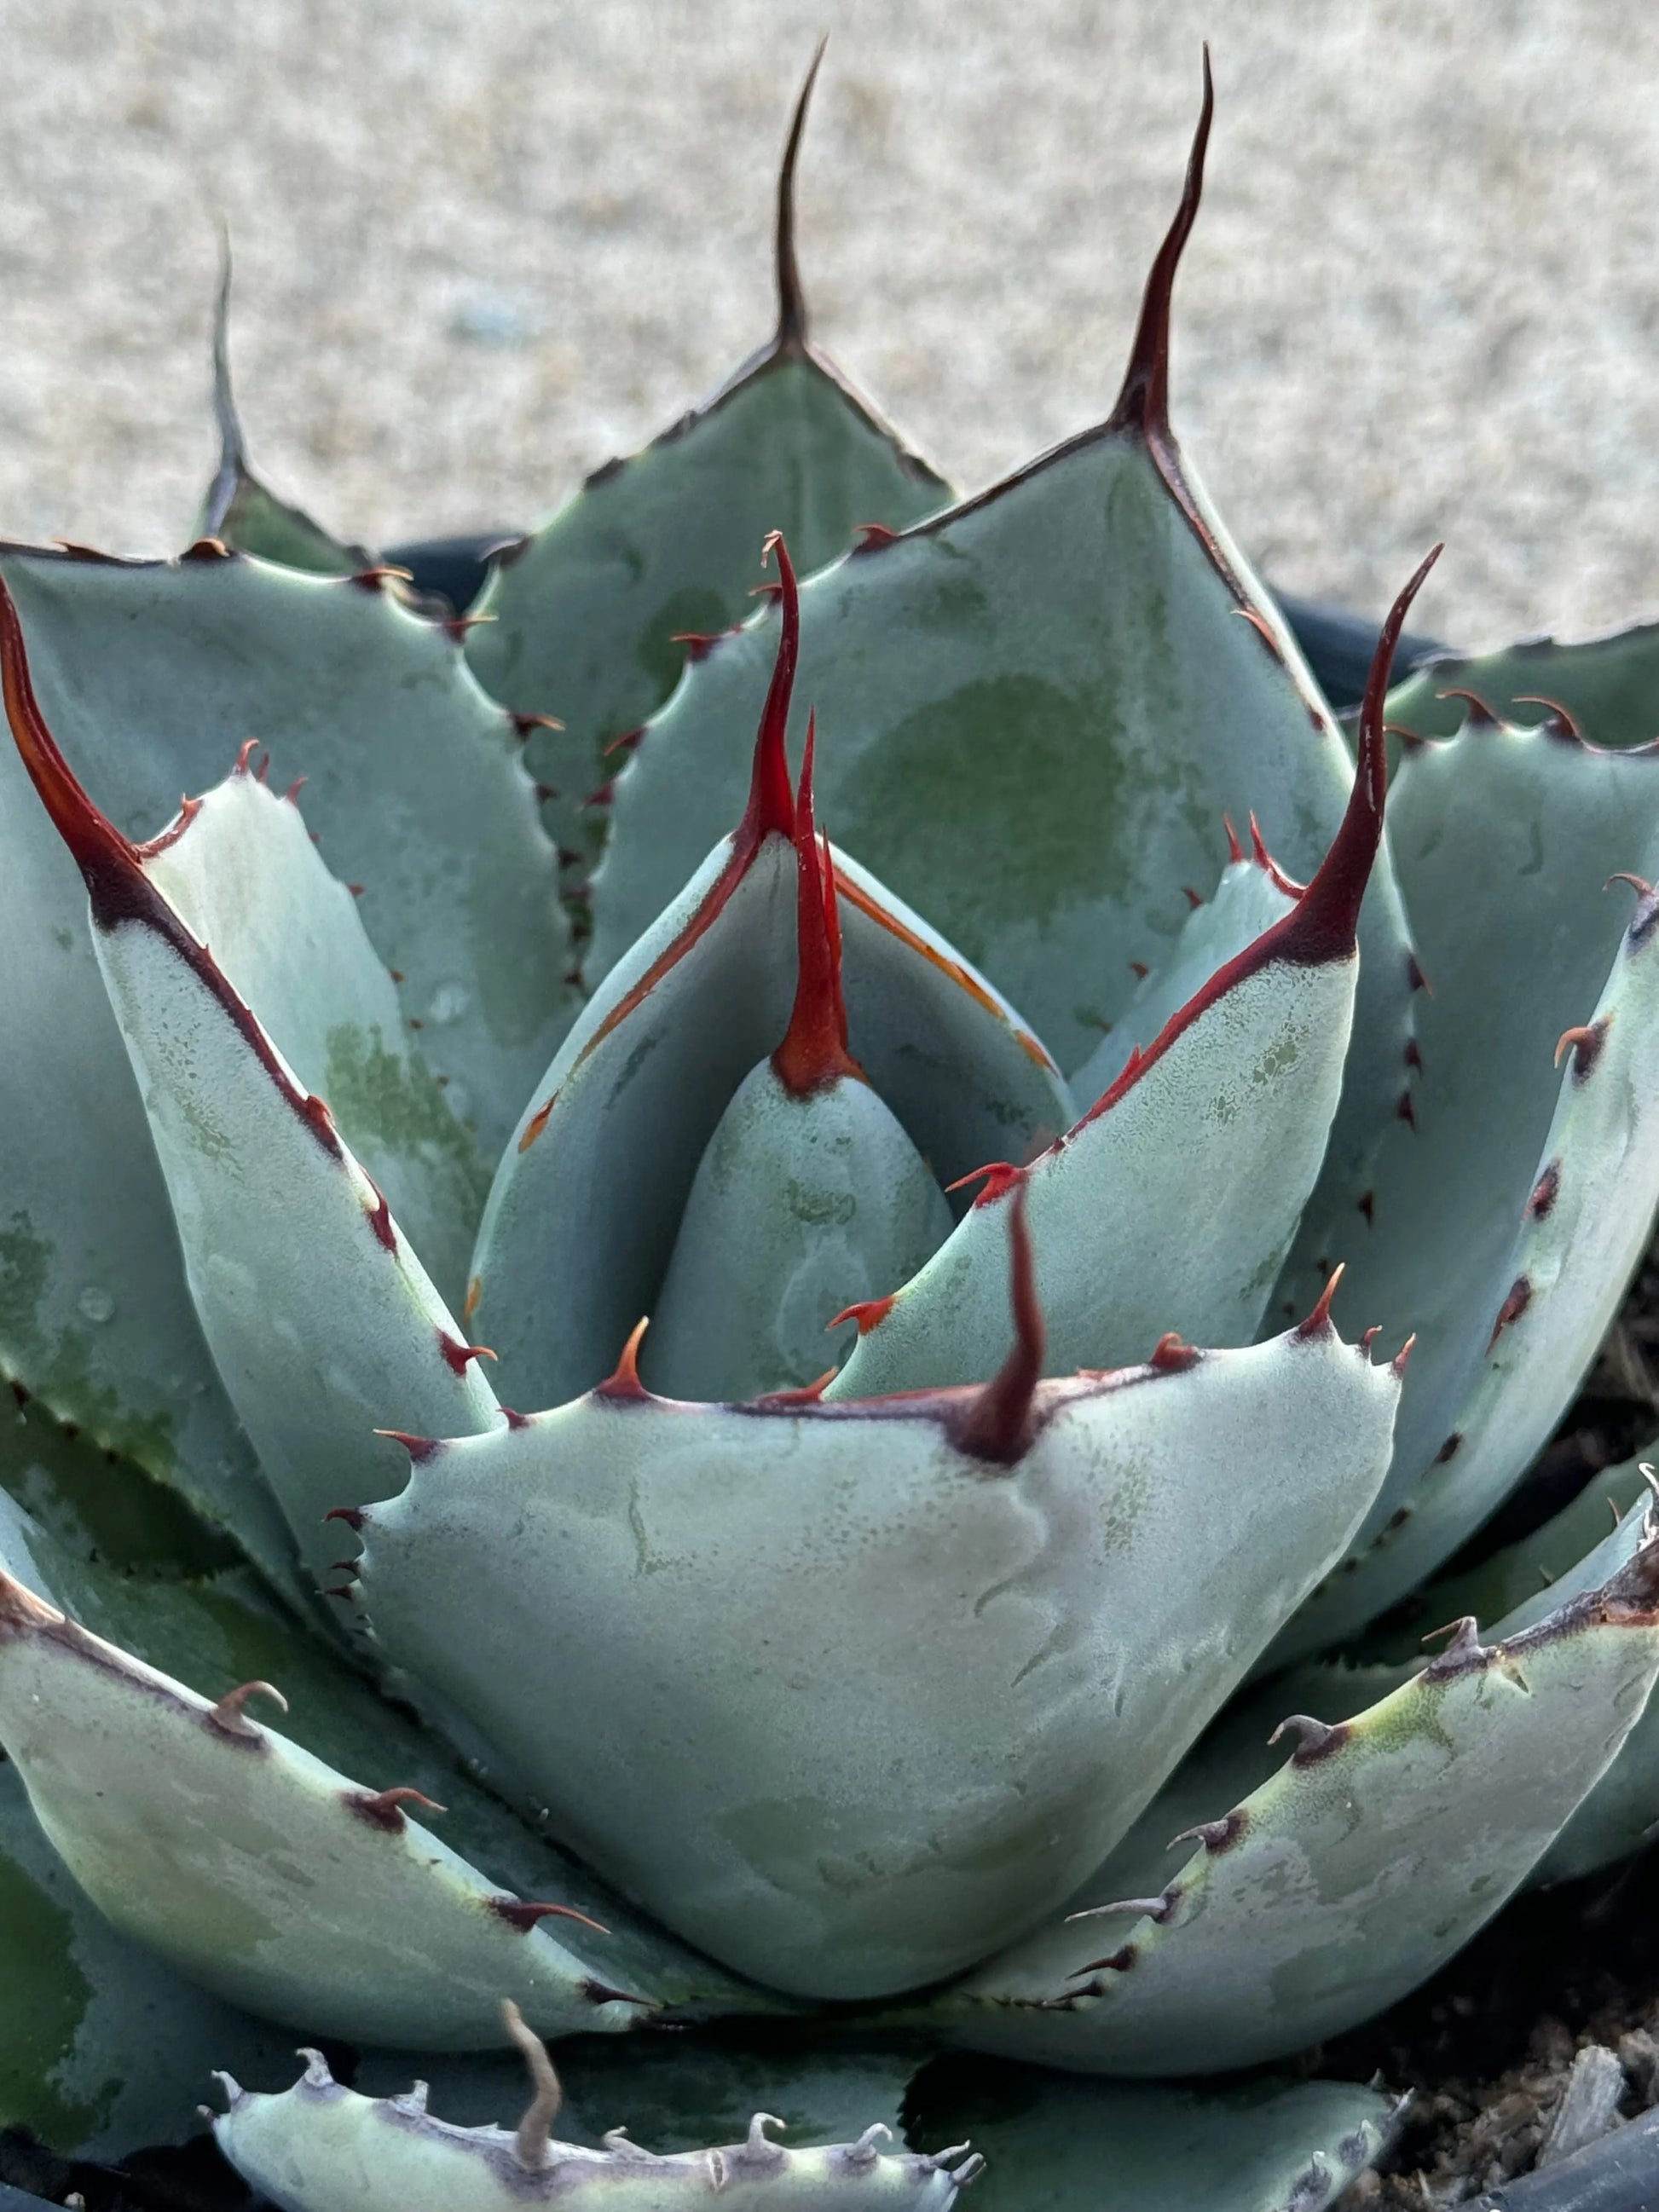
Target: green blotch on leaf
(694, 610)
(60, 1363)
(380, 1096)
(45, 2001)
(91, 1501)
(933, 804)
(818, 1208)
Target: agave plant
(402, 1644)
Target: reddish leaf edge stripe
(1323, 924)
(112, 867)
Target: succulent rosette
(403, 1644)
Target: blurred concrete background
(481, 244)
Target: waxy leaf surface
(324, 1326)
(987, 1650)
(1034, 710)
(102, 2045)
(1373, 1854)
(581, 1223)
(1506, 1216)
(244, 877)
(1054, 2145)
(1609, 686)
(92, 1544)
(153, 676)
(263, 1873)
(320, 2148)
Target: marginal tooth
(867, 2149)
(757, 2146)
(228, 1713)
(383, 1808)
(530, 2141)
(1316, 1738)
(1136, 1908)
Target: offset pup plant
(991, 949)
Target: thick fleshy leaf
(1514, 1590)
(323, 1325)
(1506, 1217)
(241, 872)
(1233, 1098)
(1373, 1854)
(803, 1205)
(580, 1223)
(320, 2148)
(608, 1150)
(1518, 1584)
(1052, 2145)
(948, 1052)
(1251, 897)
(102, 1543)
(1609, 685)
(588, 619)
(1033, 711)
(102, 2046)
(1618, 1814)
(1235, 1108)
(96, 1318)
(265, 1874)
(239, 510)
(1005, 1614)
(809, 1197)
(154, 675)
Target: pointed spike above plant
(239, 511)
(891, 1545)
(1142, 399)
(790, 336)
(991, 686)
(591, 610)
